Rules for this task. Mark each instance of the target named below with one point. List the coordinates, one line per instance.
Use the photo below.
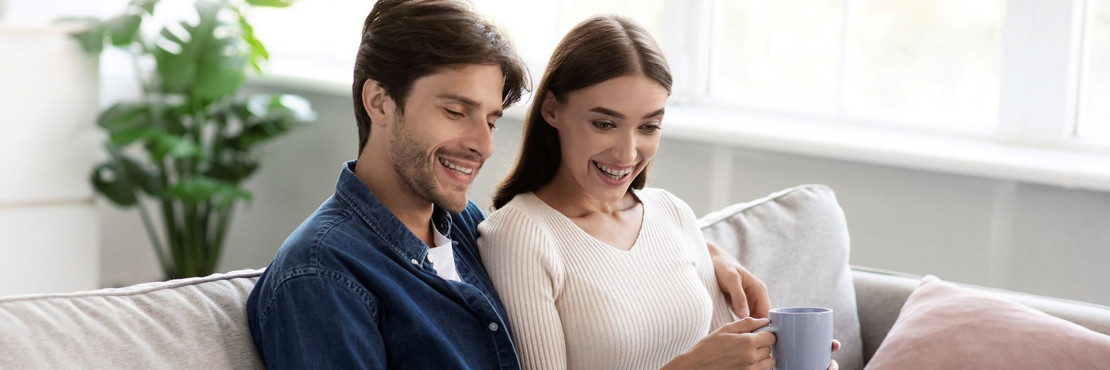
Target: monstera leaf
(206, 60)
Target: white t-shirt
(443, 257)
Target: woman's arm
(522, 263)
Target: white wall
(47, 143)
(1038, 239)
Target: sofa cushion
(796, 241)
(945, 326)
(196, 323)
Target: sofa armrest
(880, 295)
(879, 298)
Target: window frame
(1033, 141)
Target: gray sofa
(199, 323)
(795, 240)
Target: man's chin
(453, 204)
(453, 207)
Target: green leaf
(174, 59)
(146, 5)
(209, 60)
(110, 180)
(123, 28)
(258, 51)
(232, 167)
(137, 174)
(198, 189)
(124, 115)
(271, 3)
(263, 131)
(126, 136)
(169, 145)
(92, 38)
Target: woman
(595, 270)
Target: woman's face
(608, 133)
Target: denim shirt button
(415, 262)
(493, 326)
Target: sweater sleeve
(523, 264)
(686, 220)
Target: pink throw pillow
(944, 326)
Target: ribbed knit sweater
(575, 302)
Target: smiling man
(386, 273)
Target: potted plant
(190, 140)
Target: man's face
(445, 134)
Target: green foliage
(190, 141)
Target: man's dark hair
(404, 40)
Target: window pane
(783, 53)
(529, 24)
(535, 32)
(934, 62)
(1094, 112)
(646, 13)
(324, 31)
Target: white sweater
(575, 302)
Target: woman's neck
(565, 195)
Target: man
(386, 274)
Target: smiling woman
(596, 270)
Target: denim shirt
(351, 288)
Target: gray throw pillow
(796, 242)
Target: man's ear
(549, 108)
(376, 101)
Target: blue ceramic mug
(803, 337)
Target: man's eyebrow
(610, 112)
(469, 102)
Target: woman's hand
(733, 346)
(747, 295)
(832, 363)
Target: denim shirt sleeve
(321, 319)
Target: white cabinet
(49, 239)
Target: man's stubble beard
(416, 172)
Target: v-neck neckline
(571, 224)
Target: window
(537, 26)
(317, 36)
(783, 54)
(932, 62)
(1021, 72)
(1094, 104)
(327, 33)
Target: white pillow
(796, 242)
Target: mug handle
(770, 328)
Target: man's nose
(480, 139)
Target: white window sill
(817, 138)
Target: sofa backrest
(196, 323)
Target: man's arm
(312, 321)
(746, 294)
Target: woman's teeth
(613, 173)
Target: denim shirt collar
(351, 190)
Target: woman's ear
(376, 101)
(547, 110)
